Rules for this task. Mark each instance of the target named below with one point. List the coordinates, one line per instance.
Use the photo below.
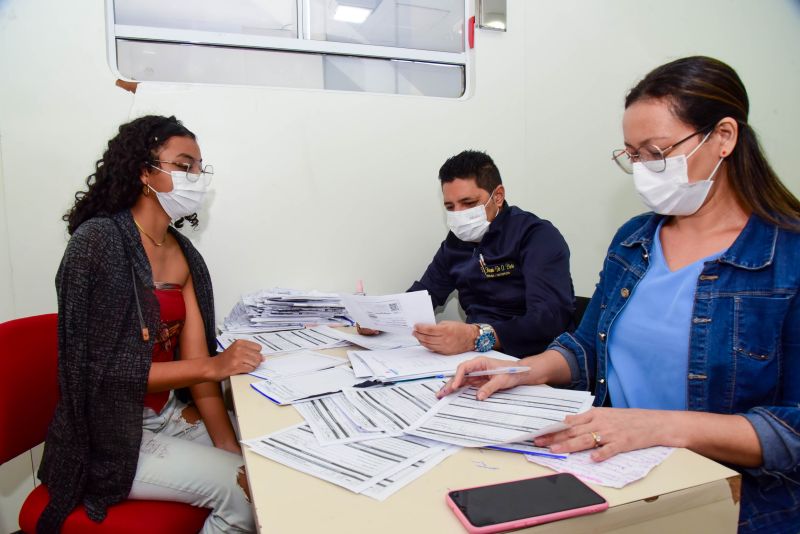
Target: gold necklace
(156, 243)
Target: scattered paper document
(616, 472)
(382, 341)
(355, 466)
(334, 419)
(285, 341)
(393, 409)
(391, 313)
(513, 415)
(295, 363)
(290, 389)
(388, 486)
(410, 363)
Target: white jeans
(178, 462)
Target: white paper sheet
(390, 485)
(411, 362)
(355, 466)
(390, 313)
(294, 388)
(395, 408)
(616, 472)
(513, 415)
(382, 341)
(286, 341)
(333, 419)
(295, 363)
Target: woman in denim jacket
(692, 335)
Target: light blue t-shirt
(648, 347)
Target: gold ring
(596, 437)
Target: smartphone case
(519, 523)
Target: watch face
(485, 342)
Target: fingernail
(555, 448)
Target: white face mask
(669, 192)
(470, 224)
(186, 197)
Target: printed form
(514, 415)
(410, 363)
(334, 419)
(391, 313)
(355, 466)
(616, 472)
(295, 363)
(363, 414)
(286, 340)
(382, 341)
(290, 389)
(395, 408)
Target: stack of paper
(410, 363)
(285, 309)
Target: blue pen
(500, 371)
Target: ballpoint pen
(499, 371)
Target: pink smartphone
(523, 503)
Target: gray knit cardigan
(92, 444)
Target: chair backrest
(581, 303)
(28, 382)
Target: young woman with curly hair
(136, 324)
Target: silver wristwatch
(486, 339)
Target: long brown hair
(702, 91)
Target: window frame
(300, 44)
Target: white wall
(318, 189)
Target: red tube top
(173, 314)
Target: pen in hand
(499, 371)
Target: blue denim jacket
(744, 350)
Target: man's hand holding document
(390, 313)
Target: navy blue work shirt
(522, 288)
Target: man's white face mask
(470, 224)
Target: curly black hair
(115, 184)
(472, 164)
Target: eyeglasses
(651, 156)
(204, 171)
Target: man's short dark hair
(471, 164)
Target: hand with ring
(607, 431)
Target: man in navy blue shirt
(510, 268)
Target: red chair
(28, 397)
